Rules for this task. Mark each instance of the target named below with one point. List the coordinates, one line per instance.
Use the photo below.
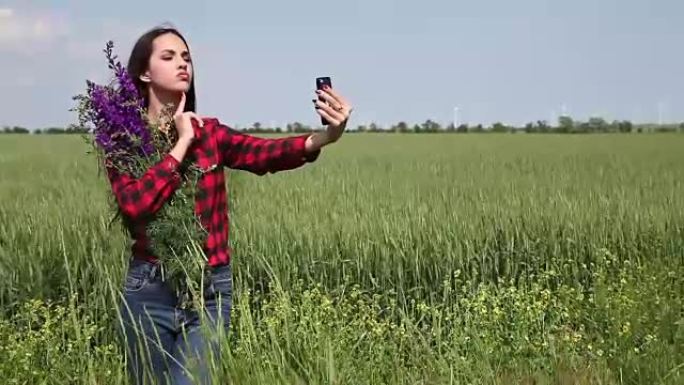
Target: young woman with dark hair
(163, 338)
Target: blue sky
(497, 60)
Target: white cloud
(6, 12)
(32, 32)
(49, 46)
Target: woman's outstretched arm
(266, 155)
(260, 155)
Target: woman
(163, 337)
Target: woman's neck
(157, 101)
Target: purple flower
(115, 111)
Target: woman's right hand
(186, 134)
(183, 122)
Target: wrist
(185, 140)
(325, 138)
(316, 141)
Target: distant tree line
(47, 130)
(565, 125)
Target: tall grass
(392, 259)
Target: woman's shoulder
(210, 120)
(214, 122)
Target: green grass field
(394, 259)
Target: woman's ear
(145, 77)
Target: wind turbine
(455, 117)
(660, 113)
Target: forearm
(143, 196)
(181, 148)
(316, 141)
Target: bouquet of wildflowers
(116, 125)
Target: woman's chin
(180, 87)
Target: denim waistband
(144, 268)
(154, 269)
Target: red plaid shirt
(216, 145)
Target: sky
(257, 60)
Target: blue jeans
(168, 344)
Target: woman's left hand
(336, 109)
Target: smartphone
(320, 82)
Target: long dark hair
(139, 61)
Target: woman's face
(170, 66)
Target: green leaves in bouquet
(176, 234)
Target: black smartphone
(320, 82)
